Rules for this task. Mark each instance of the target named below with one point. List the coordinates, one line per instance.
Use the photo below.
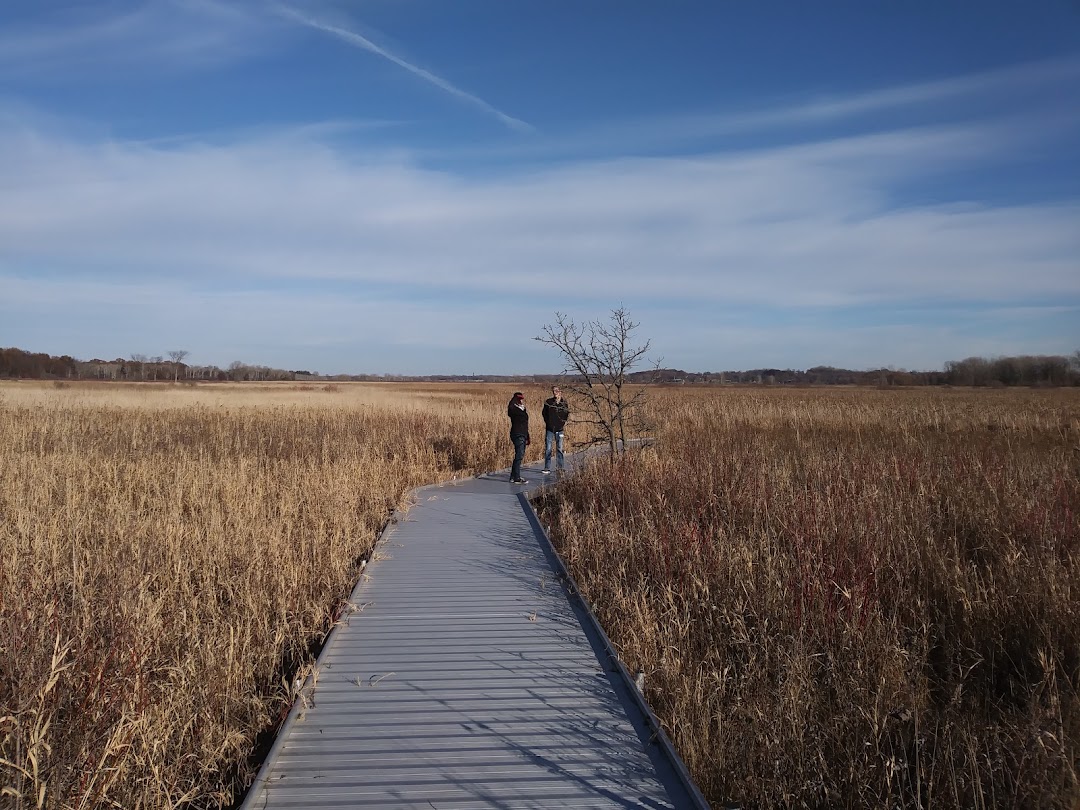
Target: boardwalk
(467, 678)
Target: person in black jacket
(519, 434)
(556, 412)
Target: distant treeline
(1026, 370)
(20, 364)
(36, 365)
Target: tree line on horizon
(1020, 370)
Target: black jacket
(555, 414)
(519, 420)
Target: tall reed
(169, 558)
(849, 598)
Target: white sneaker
(546, 471)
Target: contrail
(365, 43)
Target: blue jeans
(519, 455)
(552, 437)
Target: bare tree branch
(598, 357)
(177, 356)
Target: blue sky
(412, 186)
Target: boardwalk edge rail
(659, 736)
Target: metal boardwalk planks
(467, 678)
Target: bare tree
(138, 363)
(598, 358)
(238, 370)
(177, 356)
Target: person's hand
(528, 441)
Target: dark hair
(518, 395)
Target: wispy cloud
(1039, 89)
(167, 34)
(1012, 79)
(813, 225)
(366, 44)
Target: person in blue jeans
(556, 413)
(519, 434)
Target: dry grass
(170, 554)
(840, 598)
(849, 598)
